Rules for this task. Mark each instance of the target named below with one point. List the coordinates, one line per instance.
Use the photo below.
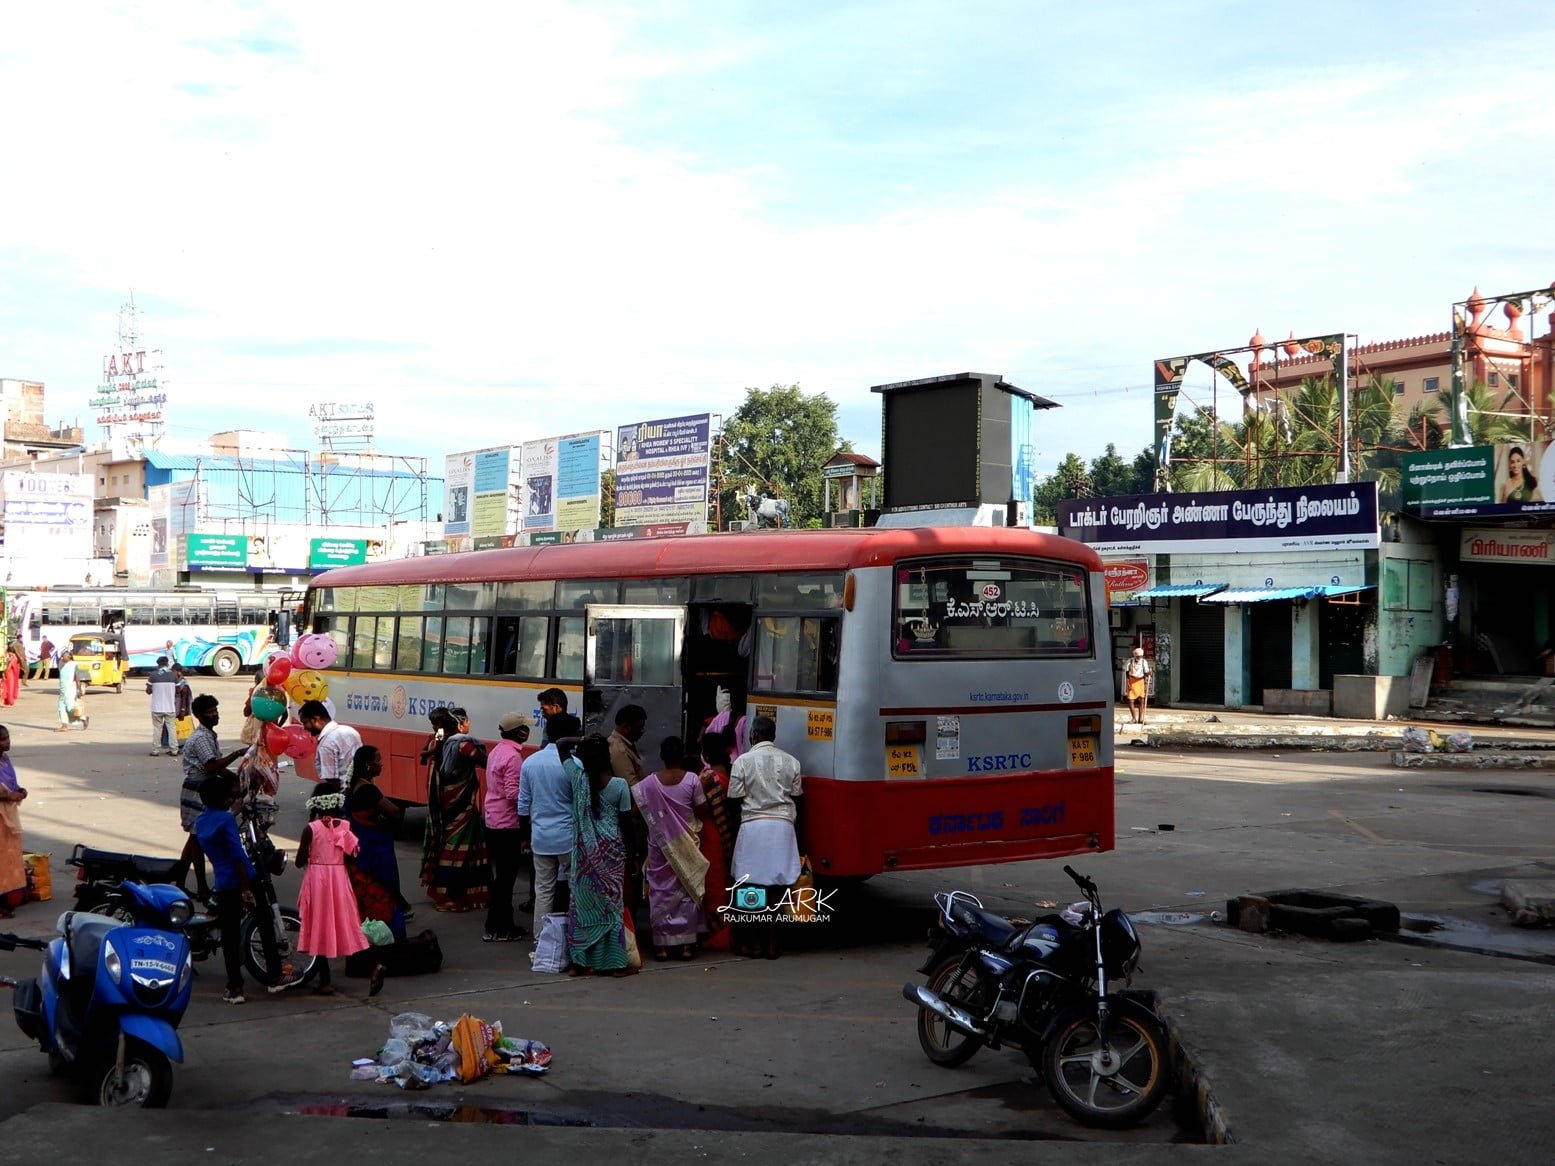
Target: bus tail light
(1085, 726)
(906, 732)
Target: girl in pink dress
(331, 923)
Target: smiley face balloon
(305, 685)
(317, 651)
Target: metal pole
(1344, 411)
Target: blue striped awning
(1263, 594)
(1329, 590)
(1179, 591)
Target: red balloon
(301, 743)
(277, 739)
(280, 668)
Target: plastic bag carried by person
(634, 952)
(551, 948)
(377, 932)
(184, 727)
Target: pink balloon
(294, 654)
(318, 651)
(280, 668)
(300, 743)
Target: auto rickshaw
(97, 658)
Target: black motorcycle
(1048, 990)
(269, 930)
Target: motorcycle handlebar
(12, 942)
(1081, 881)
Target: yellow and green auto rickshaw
(97, 659)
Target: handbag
(801, 904)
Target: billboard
(662, 471)
(1300, 518)
(1513, 478)
(47, 515)
(458, 479)
(216, 552)
(491, 491)
(561, 483)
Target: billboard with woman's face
(1515, 477)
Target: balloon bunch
(296, 676)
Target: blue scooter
(107, 1003)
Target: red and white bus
(947, 690)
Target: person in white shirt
(1136, 685)
(764, 783)
(337, 743)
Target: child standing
(331, 922)
(231, 870)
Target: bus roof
(714, 554)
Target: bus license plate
(1082, 753)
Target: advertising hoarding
(662, 471)
(1479, 480)
(47, 515)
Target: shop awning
(1179, 591)
(1329, 590)
(1262, 594)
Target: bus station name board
(1282, 518)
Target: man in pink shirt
(503, 838)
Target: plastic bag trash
(395, 1050)
(377, 932)
(413, 1027)
(1460, 742)
(522, 1056)
(368, 1072)
(1416, 740)
(411, 1075)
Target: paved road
(1314, 1051)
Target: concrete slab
(1531, 901)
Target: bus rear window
(993, 607)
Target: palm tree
(1489, 424)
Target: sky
(500, 222)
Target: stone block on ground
(1531, 901)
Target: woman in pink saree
(672, 803)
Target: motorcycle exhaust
(958, 1019)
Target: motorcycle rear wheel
(294, 968)
(946, 1046)
(146, 1083)
(1101, 1094)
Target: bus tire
(226, 663)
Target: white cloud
(452, 205)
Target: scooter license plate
(1082, 753)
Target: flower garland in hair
(324, 803)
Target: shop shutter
(1268, 648)
(1201, 655)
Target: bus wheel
(226, 663)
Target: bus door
(632, 656)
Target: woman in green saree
(596, 933)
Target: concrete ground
(1313, 1051)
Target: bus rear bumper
(854, 828)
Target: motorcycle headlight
(112, 962)
(179, 911)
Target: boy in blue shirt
(231, 869)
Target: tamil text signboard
(1532, 547)
(1480, 480)
(1298, 518)
(662, 470)
(324, 553)
(216, 552)
(47, 515)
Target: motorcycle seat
(139, 867)
(85, 934)
(994, 929)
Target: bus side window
(432, 646)
(364, 634)
(796, 653)
(480, 635)
(569, 648)
(408, 654)
(226, 613)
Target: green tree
(1070, 480)
(1110, 474)
(776, 443)
(607, 499)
